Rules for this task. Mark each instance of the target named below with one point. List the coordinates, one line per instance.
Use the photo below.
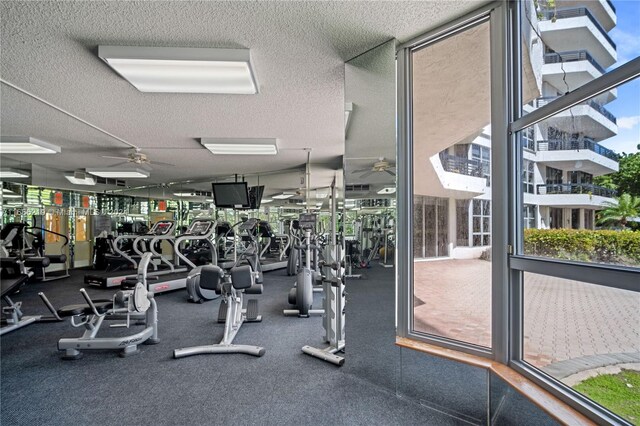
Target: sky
(626, 108)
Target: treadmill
(271, 260)
(161, 230)
(199, 230)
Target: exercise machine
(161, 230)
(199, 230)
(14, 275)
(334, 298)
(249, 253)
(301, 296)
(38, 250)
(91, 315)
(231, 310)
(272, 247)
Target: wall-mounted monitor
(233, 195)
(255, 196)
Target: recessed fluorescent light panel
(7, 172)
(391, 190)
(119, 173)
(183, 69)
(184, 194)
(26, 145)
(6, 193)
(241, 146)
(80, 178)
(266, 200)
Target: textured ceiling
(298, 49)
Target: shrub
(618, 247)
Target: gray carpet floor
(282, 387)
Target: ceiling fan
(381, 165)
(138, 158)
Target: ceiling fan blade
(361, 170)
(160, 163)
(117, 158)
(119, 164)
(390, 172)
(366, 175)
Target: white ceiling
(298, 49)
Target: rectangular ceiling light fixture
(7, 172)
(26, 145)
(119, 173)
(220, 146)
(80, 178)
(185, 194)
(183, 69)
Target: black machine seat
(210, 277)
(57, 258)
(102, 306)
(241, 277)
(28, 261)
(11, 284)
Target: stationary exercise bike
(241, 280)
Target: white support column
(452, 226)
(581, 219)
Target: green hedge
(619, 247)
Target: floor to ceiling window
(543, 268)
(451, 152)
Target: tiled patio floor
(563, 319)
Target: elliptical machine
(199, 293)
(301, 296)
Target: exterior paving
(567, 324)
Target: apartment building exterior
(566, 46)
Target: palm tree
(626, 207)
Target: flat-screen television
(233, 195)
(255, 196)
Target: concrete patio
(569, 326)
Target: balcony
(582, 154)
(453, 176)
(566, 71)
(575, 188)
(576, 55)
(576, 28)
(570, 145)
(602, 10)
(461, 165)
(572, 195)
(588, 117)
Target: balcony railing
(602, 110)
(593, 104)
(572, 145)
(610, 3)
(572, 56)
(574, 13)
(575, 188)
(461, 165)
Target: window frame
(508, 262)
